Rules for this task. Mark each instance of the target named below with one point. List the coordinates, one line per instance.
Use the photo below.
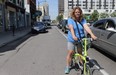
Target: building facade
(88, 6)
(60, 6)
(2, 18)
(14, 14)
(17, 13)
(32, 10)
(44, 8)
(27, 13)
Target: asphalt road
(45, 54)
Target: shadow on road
(12, 45)
(106, 54)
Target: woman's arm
(86, 27)
(72, 32)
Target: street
(45, 54)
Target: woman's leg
(69, 57)
(68, 60)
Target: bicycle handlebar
(88, 39)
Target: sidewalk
(7, 37)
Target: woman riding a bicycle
(76, 24)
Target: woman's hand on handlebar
(93, 37)
(75, 38)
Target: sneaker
(67, 70)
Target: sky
(53, 7)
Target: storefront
(15, 16)
(1, 17)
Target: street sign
(38, 13)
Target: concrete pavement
(7, 37)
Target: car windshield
(39, 24)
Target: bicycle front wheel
(86, 70)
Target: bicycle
(87, 62)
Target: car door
(108, 38)
(97, 29)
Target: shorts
(71, 46)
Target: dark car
(59, 25)
(38, 27)
(106, 38)
(64, 25)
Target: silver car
(106, 37)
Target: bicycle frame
(83, 56)
(87, 69)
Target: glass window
(110, 24)
(99, 24)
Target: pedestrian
(76, 24)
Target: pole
(13, 30)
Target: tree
(94, 16)
(113, 14)
(87, 17)
(104, 15)
(59, 17)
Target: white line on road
(62, 33)
(104, 72)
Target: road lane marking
(104, 72)
(62, 33)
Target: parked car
(106, 38)
(91, 22)
(64, 26)
(38, 27)
(59, 25)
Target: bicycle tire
(74, 64)
(88, 70)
